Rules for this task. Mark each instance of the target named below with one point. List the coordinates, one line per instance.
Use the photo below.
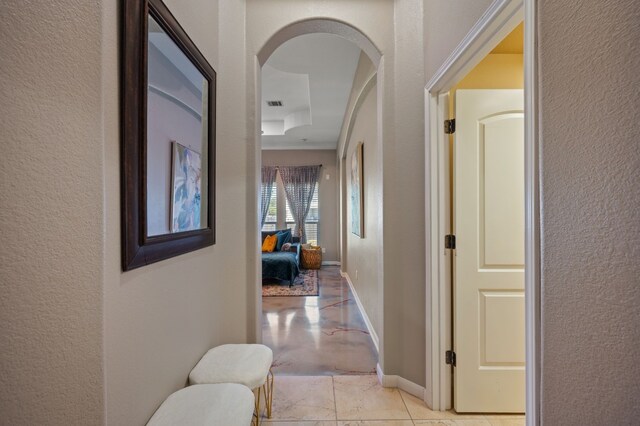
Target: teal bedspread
(282, 265)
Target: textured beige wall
(362, 253)
(327, 190)
(590, 202)
(160, 319)
(392, 27)
(590, 109)
(51, 222)
(403, 192)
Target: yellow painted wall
(496, 71)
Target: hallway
(318, 335)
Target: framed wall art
(357, 190)
(186, 184)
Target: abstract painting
(357, 191)
(186, 176)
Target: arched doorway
(354, 35)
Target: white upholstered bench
(206, 405)
(244, 364)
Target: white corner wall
(403, 194)
(590, 114)
(51, 222)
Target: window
(271, 221)
(313, 218)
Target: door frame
(498, 21)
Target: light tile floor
(360, 400)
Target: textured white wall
(364, 72)
(51, 256)
(446, 22)
(590, 113)
(362, 253)
(392, 27)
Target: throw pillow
(269, 243)
(283, 237)
(286, 247)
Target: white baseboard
(392, 381)
(386, 380)
(372, 332)
(331, 262)
(381, 377)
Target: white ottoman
(245, 364)
(224, 404)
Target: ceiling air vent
(274, 103)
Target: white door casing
(489, 305)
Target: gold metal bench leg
(268, 392)
(257, 409)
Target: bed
(281, 265)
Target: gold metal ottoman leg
(257, 409)
(268, 392)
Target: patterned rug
(306, 284)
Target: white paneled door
(489, 318)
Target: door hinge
(450, 126)
(450, 241)
(450, 358)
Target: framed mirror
(168, 138)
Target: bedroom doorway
(310, 315)
(483, 323)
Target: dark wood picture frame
(139, 249)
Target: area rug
(305, 284)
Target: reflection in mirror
(177, 139)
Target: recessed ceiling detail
(294, 102)
(312, 76)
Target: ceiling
(312, 76)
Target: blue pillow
(283, 237)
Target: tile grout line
(406, 407)
(335, 402)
